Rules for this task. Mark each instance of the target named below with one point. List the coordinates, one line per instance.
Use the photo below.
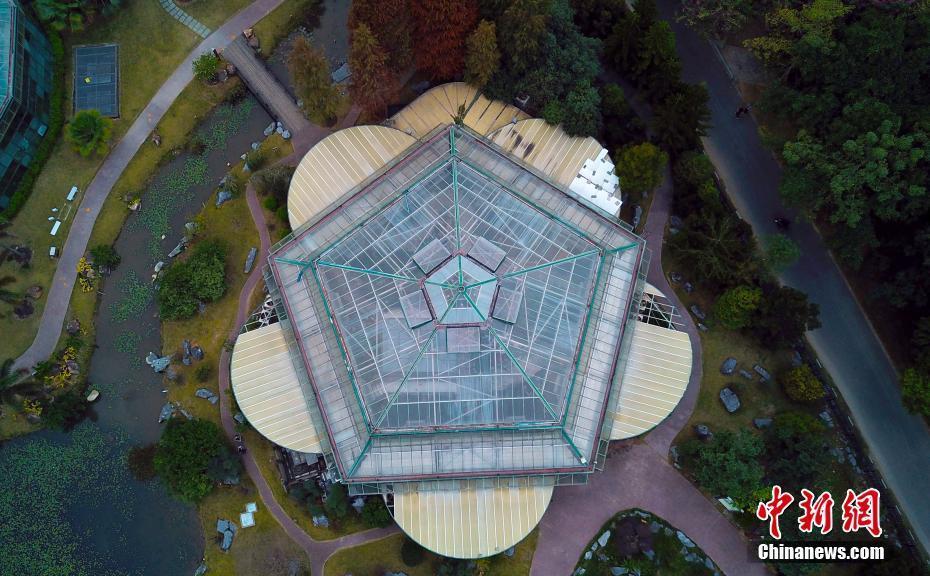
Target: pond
(69, 504)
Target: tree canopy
(89, 132)
(482, 57)
(441, 27)
(310, 73)
(390, 22)
(372, 85)
(640, 168)
(728, 464)
(184, 452)
(200, 278)
(735, 307)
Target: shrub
(915, 391)
(375, 514)
(256, 160)
(141, 462)
(640, 168)
(270, 203)
(65, 410)
(204, 371)
(184, 452)
(274, 181)
(89, 132)
(337, 502)
(735, 307)
(105, 255)
(801, 385)
(781, 251)
(205, 66)
(201, 278)
(728, 465)
(281, 213)
(412, 553)
(795, 447)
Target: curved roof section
(8, 15)
(268, 391)
(471, 518)
(339, 163)
(656, 377)
(547, 148)
(440, 105)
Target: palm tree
(9, 296)
(89, 132)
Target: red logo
(773, 509)
(858, 511)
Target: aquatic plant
(135, 296)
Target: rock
(179, 248)
(728, 366)
(254, 43)
(269, 130)
(227, 529)
(762, 372)
(186, 345)
(186, 414)
(358, 504)
(250, 260)
(602, 557)
(796, 359)
(708, 563)
(594, 547)
(33, 418)
(689, 287)
(223, 197)
(242, 157)
(698, 313)
(186, 360)
(239, 417)
(651, 554)
(293, 568)
(321, 520)
(675, 277)
(675, 221)
(255, 145)
(654, 527)
(286, 134)
(587, 555)
(684, 539)
(618, 571)
(703, 432)
(603, 538)
(205, 394)
(158, 364)
(73, 327)
(692, 558)
(745, 374)
(279, 126)
(673, 452)
(579, 572)
(201, 570)
(197, 353)
(159, 265)
(827, 418)
(730, 400)
(761, 423)
(191, 227)
(510, 551)
(34, 292)
(171, 373)
(167, 411)
(701, 327)
(201, 308)
(637, 215)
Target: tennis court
(96, 79)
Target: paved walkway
(847, 346)
(184, 18)
(59, 293)
(317, 551)
(264, 85)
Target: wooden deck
(265, 86)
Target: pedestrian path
(184, 18)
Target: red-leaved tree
(441, 27)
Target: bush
(640, 168)
(801, 385)
(201, 278)
(105, 255)
(205, 66)
(203, 373)
(735, 307)
(727, 465)
(795, 447)
(375, 514)
(256, 160)
(56, 122)
(89, 132)
(270, 203)
(337, 502)
(65, 410)
(274, 181)
(281, 213)
(412, 553)
(915, 391)
(141, 462)
(781, 251)
(184, 453)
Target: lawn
(282, 20)
(152, 44)
(381, 556)
(261, 549)
(212, 13)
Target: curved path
(846, 344)
(59, 293)
(638, 474)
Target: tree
(801, 385)
(734, 309)
(682, 118)
(794, 30)
(105, 255)
(795, 445)
(205, 66)
(200, 278)
(375, 514)
(372, 85)
(522, 28)
(411, 552)
(915, 391)
(389, 21)
(89, 132)
(441, 27)
(184, 452)
(620, 124)
(783, 316)
(482, 58)
(597, 18)
(714, 18)
(65, 410)
(225, 468)
(640, 168)
(582, 111)
(337, 502)
(719, 247)
(60, 14)
(310, 73)
(781, 251)
(727, 465)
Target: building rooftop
(8, 15)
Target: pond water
(68, 503)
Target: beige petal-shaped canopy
(441, 105)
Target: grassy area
(213, 13)
(261, 549)
(151, 46)
(380, 556)
(282, 20)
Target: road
(59, 293)
(846, 344)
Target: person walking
(741, 111)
